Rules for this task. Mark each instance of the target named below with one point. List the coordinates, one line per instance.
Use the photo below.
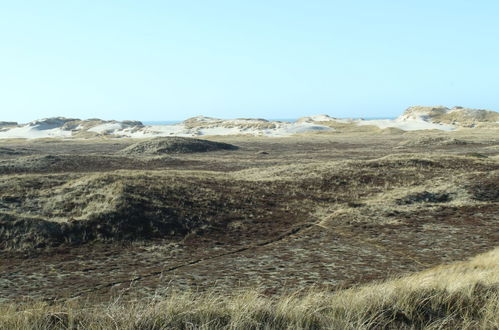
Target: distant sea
(165, 122)
(173, 122)
(287, 120)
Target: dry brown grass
(463, 295)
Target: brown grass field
(368, 229)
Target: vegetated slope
(61, 163)
(175, 145)
(10, 152)
(463, 295)
(434, 141)
(38, 211)
(41, 210)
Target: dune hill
(459, 116)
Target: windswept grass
(463, 295)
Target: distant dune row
(414, 118)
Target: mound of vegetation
(10, 151)
(175, 145)
(434, 141)
(40, 211)
(77, 163)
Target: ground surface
(331, 210)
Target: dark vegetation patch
(11, 152)
(435, 141)
(175, 145)
(422, 162)
(485, 188)
(424, 197)
(7, 151)
(476, 155)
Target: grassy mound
(434, 141)
(20, 163)
(39, 211)
(95, 207)
(10, 151)
(174, 145)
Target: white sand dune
(414, 118)
(27, 132)
(421, 118)
(197, 126)
(406, 124)
(106, 128)
(45, 128)
(255, 127)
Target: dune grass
(463, 295)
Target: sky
(170, 60)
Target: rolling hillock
(174, 145)
(38, 211)
(18, 162)
(434, 141)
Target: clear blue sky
(168, 60)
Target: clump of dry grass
(463, 295)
